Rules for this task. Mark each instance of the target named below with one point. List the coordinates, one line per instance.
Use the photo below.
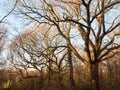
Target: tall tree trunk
(94, 71)
(60, 80)
(72, 82)
(49, 73)
(60, 77)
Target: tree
(89, 18)
(39, 50)
(26, 48)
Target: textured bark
(72, 82)
(49, 73)
(94, 76)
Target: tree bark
(49, 73)
(72, 82)
(94, 71)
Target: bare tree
(25, 47)
(40, 51)
(89, 18)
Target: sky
(13, 24)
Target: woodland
(65, 45)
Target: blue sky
(12, 22)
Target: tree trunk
(60, 77)
(72, 82)
(94, 76)
(49, 73)
(60, 80)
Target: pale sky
(12, 22)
